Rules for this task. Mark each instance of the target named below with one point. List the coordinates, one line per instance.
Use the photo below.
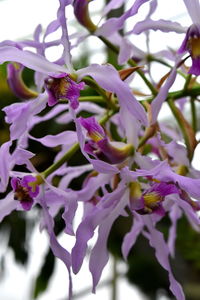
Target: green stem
(114, 279)
(184, 93)
(107, 116)
(61, 161)
(95, 99)
(193, 114)
(187, 82)
(89, 81)
(193, 92)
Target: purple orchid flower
(191, 43)
(61, 86)
(152, 198)
(25, 190)
(100, 147)
(192, 39)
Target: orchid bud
(16, 82)
(82, 14)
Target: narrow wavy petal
(115, 24)
(162, 95)
(163, 25)
(157, 241)
(131, 237)
(99, 254)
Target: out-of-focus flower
(191, 41)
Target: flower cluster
(131, 161)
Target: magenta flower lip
(24, 192)
(100, 147)
(62, 87)
(151, 199)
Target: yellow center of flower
(96, 136)
(63, 86)
(151, 199)
(194, 46)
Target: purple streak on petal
(102, 75)
(92, 127)
(193, 8)
(162, 95)
(157, 241)
(29, 59)
(164, 189)
(99, 254)
(115, 24)
(175, 214)
(163, 25)
(131, 237)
